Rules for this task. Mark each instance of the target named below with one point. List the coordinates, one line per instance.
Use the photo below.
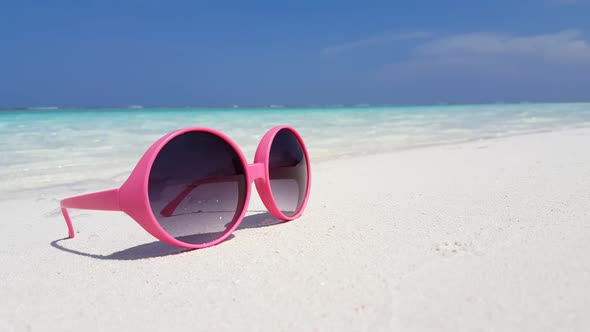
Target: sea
(75, 150)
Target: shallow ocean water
(45, 150)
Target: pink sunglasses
(192, 187)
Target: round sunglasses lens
(288, 172)
(197, 187)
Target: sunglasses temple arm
(107, 200)
(168, 210)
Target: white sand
(483, 236)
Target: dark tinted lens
(197, 187)
(288, 172)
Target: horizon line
(275, 106)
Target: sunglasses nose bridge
(256, 171)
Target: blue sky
(217, 53)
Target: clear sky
(216, 53)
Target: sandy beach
(490, 235)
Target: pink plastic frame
(132, 197)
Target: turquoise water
(97, 148)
